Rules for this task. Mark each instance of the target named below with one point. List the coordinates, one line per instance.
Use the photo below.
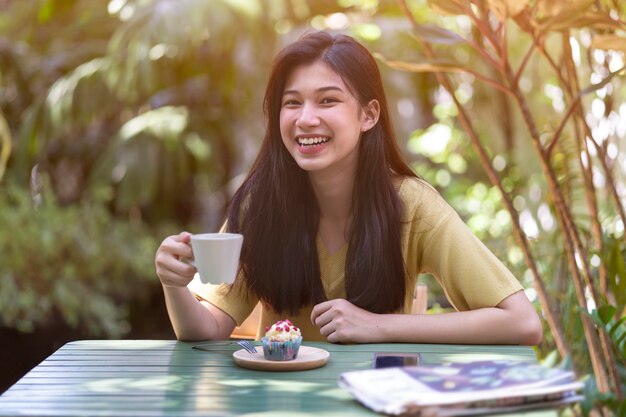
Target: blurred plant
(575, 140)
(138, 112)
(131, 104)
(610, 321)
(71, 263)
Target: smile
(312, 141)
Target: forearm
(482, 326)
(190, 319)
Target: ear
(371, 112)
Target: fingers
(169, 267)
(327, 316)
(319, 309)
(184, 237)
(177, 246)
(171, 278)
(340, 321)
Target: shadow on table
(209, 381)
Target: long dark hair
(278, 214)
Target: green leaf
(614, 327)
(617, 271)
(166, 122)
(606, 313)
(621, 409)
(46, 11)
(594, 316)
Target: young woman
(337, 227)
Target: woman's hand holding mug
(215, 256)
(169, 260)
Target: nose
(307, 117)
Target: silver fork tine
(247, 346)
(251, 346)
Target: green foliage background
(77, 263)
(124, 121)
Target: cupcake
(281, 341)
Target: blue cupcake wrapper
(281, 351)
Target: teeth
(312, 141)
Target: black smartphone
(393, 359)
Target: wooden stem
(520, 238)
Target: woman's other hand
(170, 267)
(340, 321)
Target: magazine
(458, 389)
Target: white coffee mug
(216, 256)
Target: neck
(333, 191)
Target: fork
(249, 347)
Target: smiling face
(321, 121)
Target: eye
(329, 100)
(290, 102)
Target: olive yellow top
(434, 240)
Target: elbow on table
(185, 337)
(197, 335)
(530, 331)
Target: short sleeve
(237, 302)
(470, 274)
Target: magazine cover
(462, 388)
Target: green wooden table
(168, 378)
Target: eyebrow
(319, 90)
